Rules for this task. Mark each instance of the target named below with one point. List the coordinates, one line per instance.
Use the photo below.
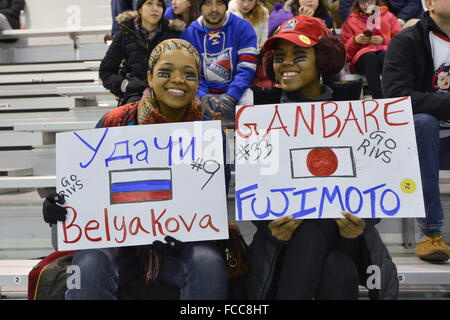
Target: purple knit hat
(277, 17)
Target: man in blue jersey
(227, 45)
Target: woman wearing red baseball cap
(312, 259)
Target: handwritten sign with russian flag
(132, 185)
(314, 160)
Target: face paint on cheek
(191, 78)
(300, 59)
(161, 74)
(277, 60)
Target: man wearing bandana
(227, 45)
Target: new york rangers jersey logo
(218, 66)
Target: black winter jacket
(265, 250)
(11, 10)
(134, 51)
(408, 70)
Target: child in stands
(366, 36)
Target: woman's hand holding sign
(284, 227)
(52, 208)
(351, 226)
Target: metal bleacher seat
(35, 104)
(73, 33)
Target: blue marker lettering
(168, 146)
(240, 199)
(286, 201)
(303, 212)
(372, 197)
(326, 193)
(261, 215)
(144, 152)
(191, 147)
(393, 211)
(115, 158)
(92, 148)
(347, 200)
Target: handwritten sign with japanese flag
(314, 160)
(132, 185)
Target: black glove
(172, 247)
(135, 85)
(227, 106)
(206, 102)
(51, 210)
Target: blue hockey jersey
(228, 55)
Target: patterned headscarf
(173, 44)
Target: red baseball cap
(301, 30)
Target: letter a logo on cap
(290, 25)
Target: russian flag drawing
(140, 185)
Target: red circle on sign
(322, 162)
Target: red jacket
(356, 23)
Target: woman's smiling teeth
(175, 92)
(289, 74)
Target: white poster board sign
(132, 185)
(314, 160)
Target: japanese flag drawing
(322, 162)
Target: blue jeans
(199, 272)
(434, 154)
(119, 6)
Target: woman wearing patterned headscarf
(194, 270)
(155, 105)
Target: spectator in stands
(310, 8)
(123, 69)
(263, 74)
(278, 16)
(405, 10)
(345, 8)
(9, 13)
(414, 59)
(185, 11)
(305, 259)
(117, 7)
(334, 12)
(366, 42)
(228, 46)
(254, 12)
(276, 19)
(197, 268)
(269, 4)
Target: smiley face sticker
(304, 39)
(408, 186)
